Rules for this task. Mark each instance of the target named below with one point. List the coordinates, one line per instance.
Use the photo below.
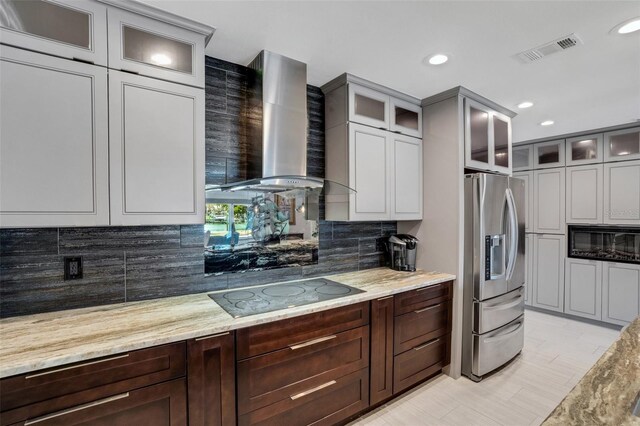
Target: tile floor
(557, 353)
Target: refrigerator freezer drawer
(494, 349)
(494, 313)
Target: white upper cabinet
(620, 292)
(156, 151)
(622, 145)
(585, 194)
(487, 138)
(72, 29)
(527, 178)
(407, 178)
(549, 201)
(53, 141)
(548, 154)
(622, 193)
(406, 118)
(522, 157)
(584, 150)
(368, 106)
(154, 48)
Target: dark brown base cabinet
(323, 368)
(212, 380)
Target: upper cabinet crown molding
(347, 78)
(461, 91)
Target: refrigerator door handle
(513, 233)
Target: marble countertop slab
(607, 394)
(52, 339)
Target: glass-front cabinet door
(369, 107)
(549, 154)
(152, 48)
(622, 145)
(584, 150)
(478, 146)
(501, 126)
(406, 118)
(70, 29)
(522, 157)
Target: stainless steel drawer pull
(431, 287)
(211, 337)
(310, 391)
(76, 366)
(311, 342)
(419, 311)
(417, 348)
(385, 298)
(76, 408)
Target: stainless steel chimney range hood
(277, 150)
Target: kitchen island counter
(608, 392)
(52, 339)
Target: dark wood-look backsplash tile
(143, 262)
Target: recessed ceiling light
(547, 123)
(438, 59)
(627, 27)
(526, 104)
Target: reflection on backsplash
(246, 230)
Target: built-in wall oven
(608, 243)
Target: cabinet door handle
(76, 366)
(211, 337)
(76, 408)
(385, 298)
(417, 348)
(429, 287)
(311, 342)
(310, 391)
(419, 311)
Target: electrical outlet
(72, 268)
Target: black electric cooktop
(258, 300)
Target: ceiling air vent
(547, 49)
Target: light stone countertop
(607, 394)
(35, 342)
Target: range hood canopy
(276, 155)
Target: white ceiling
(586, 87)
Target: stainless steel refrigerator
(494, 244)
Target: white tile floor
(557, 353)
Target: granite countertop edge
(41, 341)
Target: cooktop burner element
(258, 300)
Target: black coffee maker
(402, 252)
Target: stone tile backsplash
(122, 264)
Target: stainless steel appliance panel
(494, 313)
(494, 349)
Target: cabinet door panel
(478, 146)
(501, 132)
(528, 264)
(212, 381)
(369, 169)
(367, 106)
(622, 193)
(53, 141)
(584, 150)
(622, 145)
(72, 29)
(407, 171)
(548, 272)
(583, 288)
(549, 154)
(156, 151)
(522, 157)
(155, 49)
(620, 293)
(527, 178)
(406, 118)
(381, 349)
(584, 194)
(549, 201)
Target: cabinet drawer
(422, 297)
(269, 337)
(269, 378)
(160, 404)
(420, 362)
(34, 394)
(325, 404)
(420, 326)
